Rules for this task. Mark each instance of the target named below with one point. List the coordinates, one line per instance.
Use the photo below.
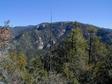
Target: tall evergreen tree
(97, 49)
(77, 55)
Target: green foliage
(36, 69)
(97, 50)
(67, 71)
(102, 70)
(65, 63)
(75, 58)
(14, 68)
(77, 55)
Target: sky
(31, 12)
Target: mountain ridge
(34, 38)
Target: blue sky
(29, 12)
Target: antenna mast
(51, 43)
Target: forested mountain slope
(42, 36)
(57, 53)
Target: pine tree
(97, 49)
(76, 55)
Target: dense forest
(81, 55)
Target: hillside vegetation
(57, 53)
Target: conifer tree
(97, 49)
(76, 55)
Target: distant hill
(41, 37)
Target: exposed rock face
(40, 43)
